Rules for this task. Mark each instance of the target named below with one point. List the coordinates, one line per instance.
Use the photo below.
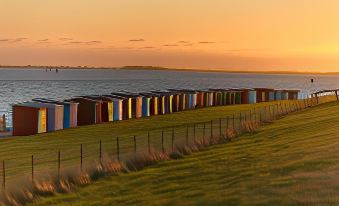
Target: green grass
(293, 161)
(17, 151)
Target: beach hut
(117, 107)
(271, 96)
(285, 95)
(166, 101)
(55, 115)
(28, 120)
(200, 99)
(146, 105)
(70, 111)
(135, 103)
(263, 94)
(293, 94)
(249, 96)
(107, 106)
(154, 102)
(126, 106)
(89, 110)
(278, 95)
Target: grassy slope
(291, 162)
(17, 151)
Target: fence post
(211, 130)
(162, 141)
(194, 133)
(220, 133)
(203, 133)
(187, 140)
(240, 121)
(59, 164)
(32, 169)
(135, 144)
(100, 151)
(81, 157)
(3, 174)
(233, 123)
(172, 139)
(149, 142)
(260, 118)
(227, 126)
(118, 149)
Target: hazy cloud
(136, 40)
(4, 40)
(43, 40)
(65, 39)
(207, 42)
(148, 47)
(183, 42)
(15, 40)
(170, 45)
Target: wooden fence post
(149, 142)
(118, 149)
(220, 133)
(32, 169)
(81, 156)
(211, 130)
(162, 141)
(59, 164)
(240, 121)
(3, 174)
(172, 139)
(135, 144)
(194, 132)
(203, 133)
(100, 151)
(233, 124)
(187, 139)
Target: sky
(257, 35)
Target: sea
(20, 85)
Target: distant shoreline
(152, 68)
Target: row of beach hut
(46, 115)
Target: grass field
(17, 151)
(293, 161)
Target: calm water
(18, 85)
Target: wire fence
(123, 147)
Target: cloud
(43, 40)
(17, 40)
(4, 40)
(148, 47)
(93, 42)
(207, 42)
(183, 42)
(136, 40)
(170, 45)
(65, 39)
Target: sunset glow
(264, 35)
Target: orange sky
(300, 35)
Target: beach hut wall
(106, 112)
(146, 100)
(89, 111)
(252, 97)
(70, 111)
(278, 95)
(55, 115)
(116, 106)
(238, 97)
(126, 105)
(28, 120)
(293, 94)
(271, 96)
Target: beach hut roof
(52, 101)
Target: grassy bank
(293, 161)
(17, 151)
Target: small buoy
(312, 80)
